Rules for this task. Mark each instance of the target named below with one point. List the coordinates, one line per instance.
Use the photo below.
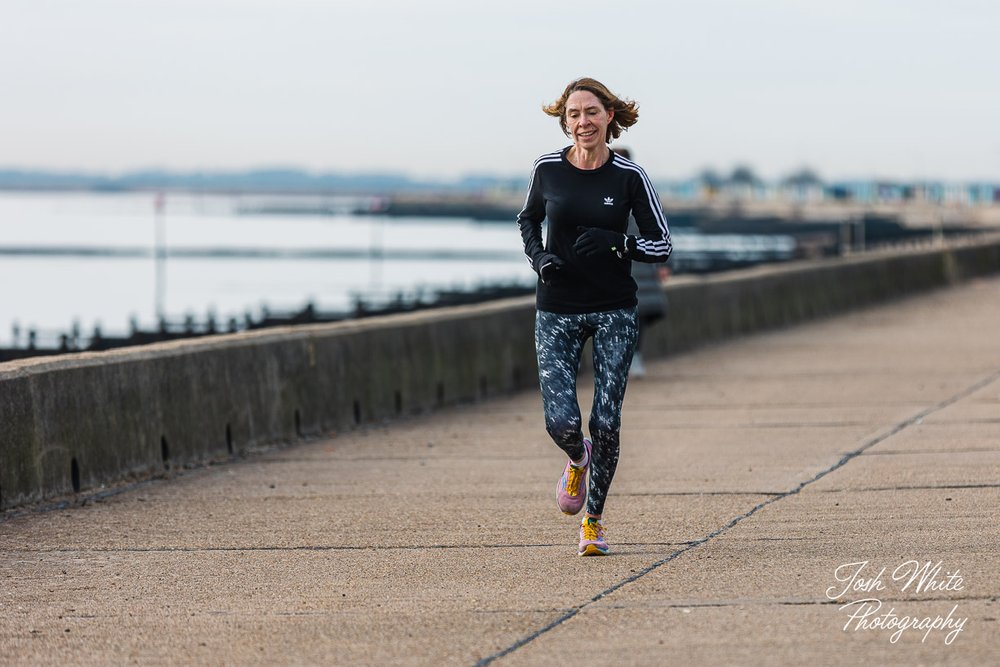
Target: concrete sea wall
(731, 304)
(76, 423)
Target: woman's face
(587, 119)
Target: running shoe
(592, 538)
(571, 493)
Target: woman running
(585, 194)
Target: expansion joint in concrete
(893, 430)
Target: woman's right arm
(529, 220)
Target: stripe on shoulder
(654, 199)
(548, 157)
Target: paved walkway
(753, 474)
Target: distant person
(586, 193)
(652, 299)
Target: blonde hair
(626, 112)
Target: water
(50, 293)
(327, 260)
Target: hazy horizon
(445, 89)
(299, 177)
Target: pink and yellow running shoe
(592, 538)
(571, 493)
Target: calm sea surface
(369, 255)
(89, 259)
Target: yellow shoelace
(573, 480)
(592, 531)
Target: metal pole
(160, 255)
(375, 254)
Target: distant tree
(744, 175)
(803, 177)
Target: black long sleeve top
(567, 198)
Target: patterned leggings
(559, 343)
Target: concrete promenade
(753, 475)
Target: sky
(438, 89)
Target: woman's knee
(605, 427)
(564, 429)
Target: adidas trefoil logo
(609, 201)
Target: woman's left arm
(652, 244)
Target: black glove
(548, 266)
(593, 241)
